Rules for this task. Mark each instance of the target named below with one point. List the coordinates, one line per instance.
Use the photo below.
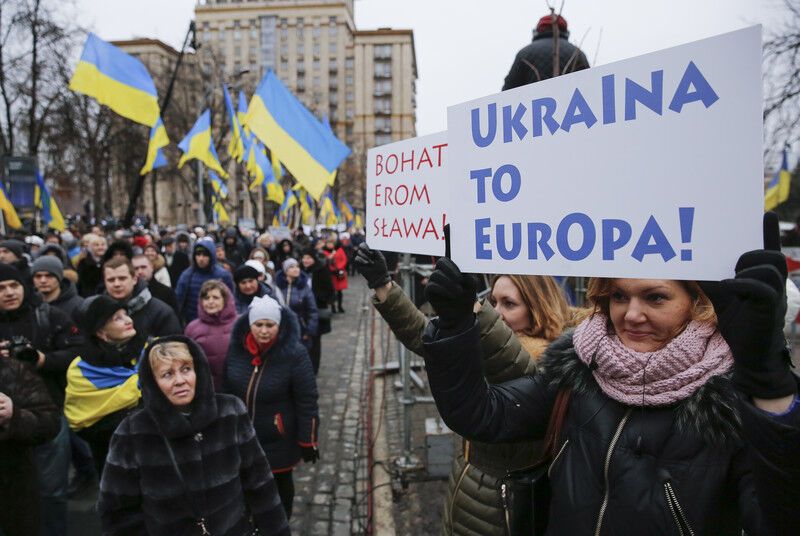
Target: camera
(19, 347)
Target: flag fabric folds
(307, 148)
(117, 80)
(94, 392)
(778, 187)
(51, 214)
(155, 157)
(198, 144)
(359, 223)
(9, 212)
(346, 210)
(235, 145)
(220, 214)
(218, 185)
(241, 112)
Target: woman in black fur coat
(667, 418)
(269, 369)
(189, 462)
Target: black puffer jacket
(540, 54)
(283, 398)
(68, 300)
(215, 448)
(151, 316)
(681, 469)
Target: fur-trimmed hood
(711, 412)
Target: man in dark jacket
(176, 259)
(151, 316)
(235, 250)
(33, 331)
(13, 252)
(48, 279)
(204, 268)
(28, 417)
(535, 62)
(143, 267)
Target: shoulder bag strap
(199, 519)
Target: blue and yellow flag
(51, 214)
(778, 187)
(326, 122)
(220, 214)
(95, 392)
(155, 157)
(328, 213)
(289, 201)
(198, 144)
(359, 223)
(9, 212)
(307, 148)
(117, 80)
(277, 167)
(346, 210)
(218, 185)
(241, 112)
(235, 145)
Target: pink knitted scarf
(665, 376)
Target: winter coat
(90, 275)
(213, 334)
(68, 300)
(279, 255)
(473, 504)
(151, 316)
(216, 451)
(300, 299)
(188, 288)
(540, 54)
(678, 469)
(283, 400)
(102, 389)
(337, 264)
(176, 265)
(35, 419)
(50, 331)
(165, 294)
(160, 272)
(264, 289)
(322, 287)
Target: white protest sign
(406, 195)
(650, 167)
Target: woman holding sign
(671, 421)
(522, 315)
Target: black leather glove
(452, 295)
(371, 264)
(751, 309)
(309, 454)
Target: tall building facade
(364, 81)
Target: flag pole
(137, 190)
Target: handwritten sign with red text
(406, 195)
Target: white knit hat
(264, 308)
(258, 265)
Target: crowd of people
(175, 369)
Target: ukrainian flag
(117, 80)
(346, 210)
(198, 144)
(9, 212)
(359, 223)
(220, 214)
(155, 157)
(51, 214)
(289, 201)
(235, 145)
(241, 112)
(308, 149)
(220, 188)
(277, 167)
(327, 123)
(328, 212)
(306, 210)
(778, 187)
(95, 392)
(258, 165)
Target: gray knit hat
(49, 264)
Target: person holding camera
(28, 417)
(44, 338)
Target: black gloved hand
(452, 295)
(751, 309)
(309, 454)
(371, 264)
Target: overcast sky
(465, 47)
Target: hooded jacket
(188, 289)
(282, 401)
(90, 275)
(68, 300)
(539, 53)
(264, 289)
(213, 334)
(679, 469)
(151, 316)
(300, 298)
(227, 476)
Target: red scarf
(256, 349)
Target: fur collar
(711, 412)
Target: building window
(383, 124)
(333, 99)
(301, 85)
(301, 66)
(316, 50)
(348, 130)
(284, 34)
(383, 70)
(348, 63)
(382, 52)
(237, 67)
(222, 34)
(253, 33)
(285, 50)
(383, 139)
(317, 82)
(350, 114)
(348, 80)
(350, 96)
(332, 48)
(333, 84)
(284, 65)
(284, 22)
(316, 31)
(316, 65)
(237, 51)
(253, 52)
(332, 65)
(237, 32)
(383, 106)
(382, 87)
